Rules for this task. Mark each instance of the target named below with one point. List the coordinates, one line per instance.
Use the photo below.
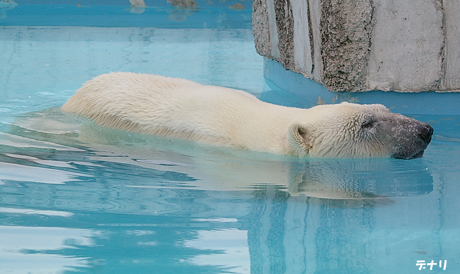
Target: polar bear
(180, 108)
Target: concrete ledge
(435, 103)
(364, 45)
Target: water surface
(79, 198)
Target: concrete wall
(362, 45)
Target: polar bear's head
(352, 130)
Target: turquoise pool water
(78, 198)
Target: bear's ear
(299, 139)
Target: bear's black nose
(425, 133)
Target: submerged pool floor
(79, 198)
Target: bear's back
(165, 106)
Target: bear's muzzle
(424, 133)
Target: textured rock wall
(361, 45)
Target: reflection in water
(339, 179)
(231, 245)
(32, 249)
(183, 4)
(181, 9)
(237, 6)
(6, 5)
(137, 6)
(143, 203)
(78, 198)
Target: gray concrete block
(261, 27)
(362, 45)
(407, 46)
(285, 28)
(451, 65)
(346, 30)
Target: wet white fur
(184, 109)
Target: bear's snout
(425, 133)
(414, 146)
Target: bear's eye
(367, 124)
